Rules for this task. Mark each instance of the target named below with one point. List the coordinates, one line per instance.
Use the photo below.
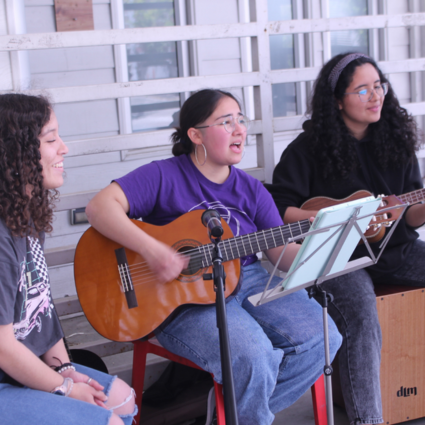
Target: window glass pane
(280, 10)
(155, 112)
(282, 51)
(281, 46)
(149, 61)
(284, 100)
(282, 57)
(348, 41)
(142, 13)
(339, 9)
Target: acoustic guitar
(122, 299)
(376, 229)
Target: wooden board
(401, 315)
(74, 15)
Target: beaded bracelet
(64, 367)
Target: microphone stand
(218, 276)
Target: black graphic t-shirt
(25, 298)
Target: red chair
(142, 348)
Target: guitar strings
(234, 243)
(263, 240)
(238, 243)
(416, 195)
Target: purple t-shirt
(162, 191)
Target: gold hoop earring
(205, 154)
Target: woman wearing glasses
(358, 138)
(277, 348)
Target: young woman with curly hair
(38, 384)
(358, 138)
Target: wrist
(68, 373)
(64, 389)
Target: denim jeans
(277, 349)
(25, 406)
(354, 311)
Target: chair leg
(219, 404)
(319, 402)
(138, 376)
(141, 349)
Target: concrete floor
(301, 413)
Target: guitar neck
(413, 197)
(252, 243)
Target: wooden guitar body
(374, 233)
(319, 202)
(100, 289)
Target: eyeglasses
(366, 94)
(229, 123)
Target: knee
(121, 398)
(364, 325)
(258, 363)
(354, 318)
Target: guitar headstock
(386, 218)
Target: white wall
(5, 65)
(96, 66)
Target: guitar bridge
(125, 276)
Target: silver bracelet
(64, 389)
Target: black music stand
(345, 228)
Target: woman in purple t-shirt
(277, 348)
(38, 384)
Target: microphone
(212, 221)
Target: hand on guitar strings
(165, 263)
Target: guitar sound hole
(194, 263)
(195, 269)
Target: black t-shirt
(298, 177)
(25, 298)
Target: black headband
(339, 67)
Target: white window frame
(15, 17)
(259, 76)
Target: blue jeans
(25, 406)
(277, 349)
(354, 312)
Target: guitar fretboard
(252, 243)
(413, 197)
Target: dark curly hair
(195, 111)
(394, 136)
(25, 206)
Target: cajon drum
(401, 312)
